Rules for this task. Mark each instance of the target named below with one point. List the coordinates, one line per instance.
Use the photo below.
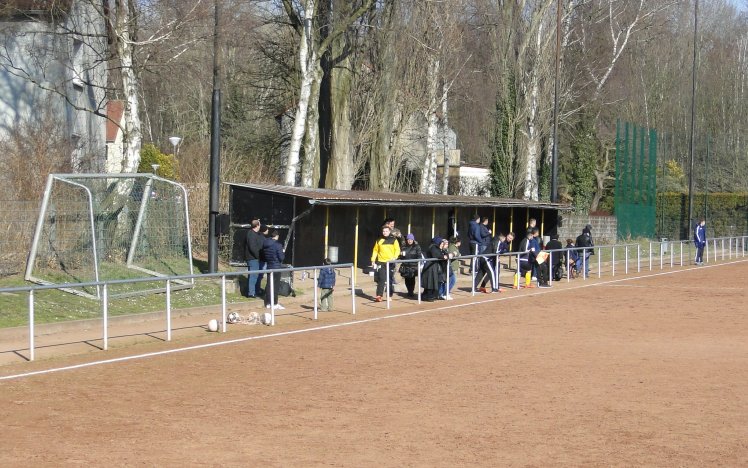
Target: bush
(168, 165)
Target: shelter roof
(319, 196)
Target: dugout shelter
(312, 220)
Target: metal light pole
(215, 145)
(554, 156)
(693, 118)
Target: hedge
(727, 214)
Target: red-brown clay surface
(649, 371)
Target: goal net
(102, 227)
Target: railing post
(387, 284)
(681, 253)
(315, 294)
(474, 277)
(168, 310)
(519, 273)
(31, 325)
(105, 314)
(497, 270)
(418, 286)
(272, 299)
(353, 289)
(584, 263)
(671, 255)
(613, 249)
(599, 262)
(568, 265)
(223, 303)
(723, 249)
(716, 254)
(626, 270)
(638, 258)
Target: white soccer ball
(213, 325)
(267, 318)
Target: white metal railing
(103, 286)
(736, 247)
(716, 249)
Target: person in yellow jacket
(386, 248)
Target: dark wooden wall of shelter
(271, 209)
(308, 237)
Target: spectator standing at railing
(453, 250)
(571, 258)
(409, 271)
(537, 245)
(584, 247)
(433, 274)
(474, 234)
(386, 248)
(394, 232)
(326, 283)
(526, 258)
(485, 272)
(252, 248)
(699, 239)
(272, 252)
(557, 258)
(485, 236)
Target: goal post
(98, 227)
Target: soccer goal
(99, 227)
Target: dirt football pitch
(619, 371)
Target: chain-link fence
(17, 219)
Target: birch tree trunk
(131, 125)
(533, 137)
(307, 56)
(428, 177)
(445, 129)
(310, 164)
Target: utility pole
(215, 144)
(554, 156)
(693, 118)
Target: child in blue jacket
(326, 283)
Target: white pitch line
(677, 288)
(357, 322)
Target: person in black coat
(584, 242)
(409, 271)
(252, 249)
(272, 253)
(557, 258)
(434, 272)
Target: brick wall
(604, 228)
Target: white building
(474, 181)
(53, 61)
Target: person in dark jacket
(326, 283)
(272, 253)
(526, 259)
(699, 239)
(252, 249)
(474, 235)
(557, 258)
(433, 274)
(485, 236)
(572, 256)
(409, 271)
(584, 244)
